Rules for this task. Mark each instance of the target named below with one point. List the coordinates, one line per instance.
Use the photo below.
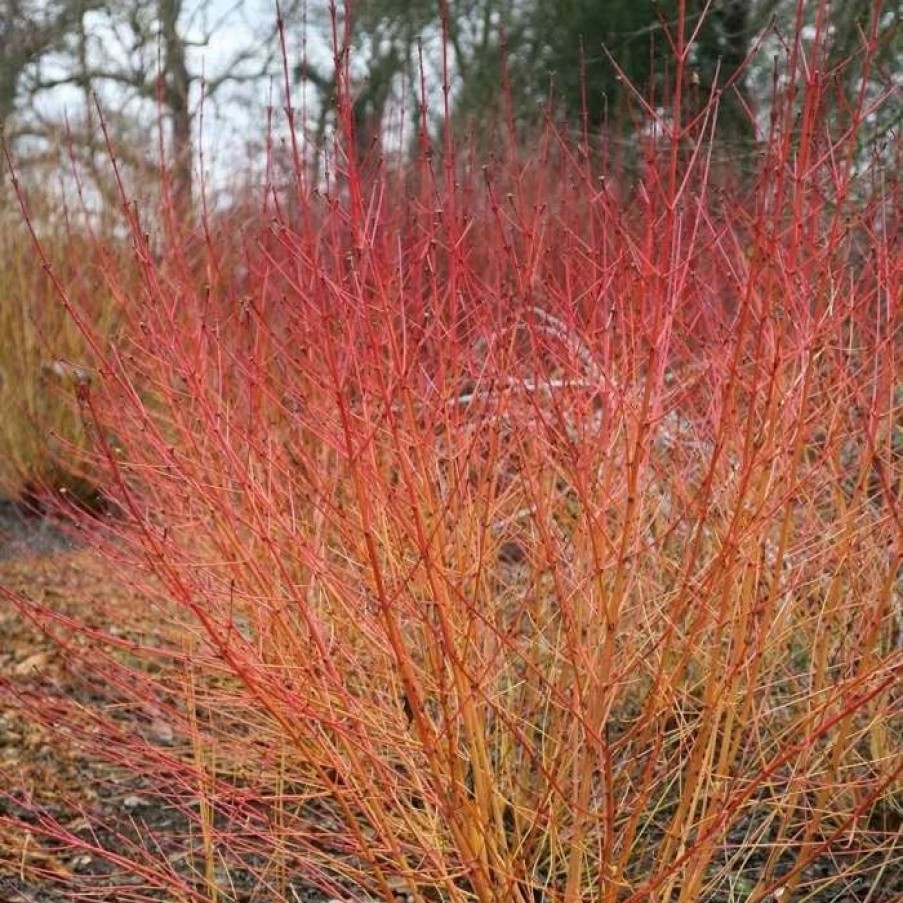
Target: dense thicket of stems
(515, 530)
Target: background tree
(146, 58)
(540, 43)
(141, 60)
(27, 31)
(852, 25)
(540, 40)
(30, 31)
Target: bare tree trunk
(175, 91)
